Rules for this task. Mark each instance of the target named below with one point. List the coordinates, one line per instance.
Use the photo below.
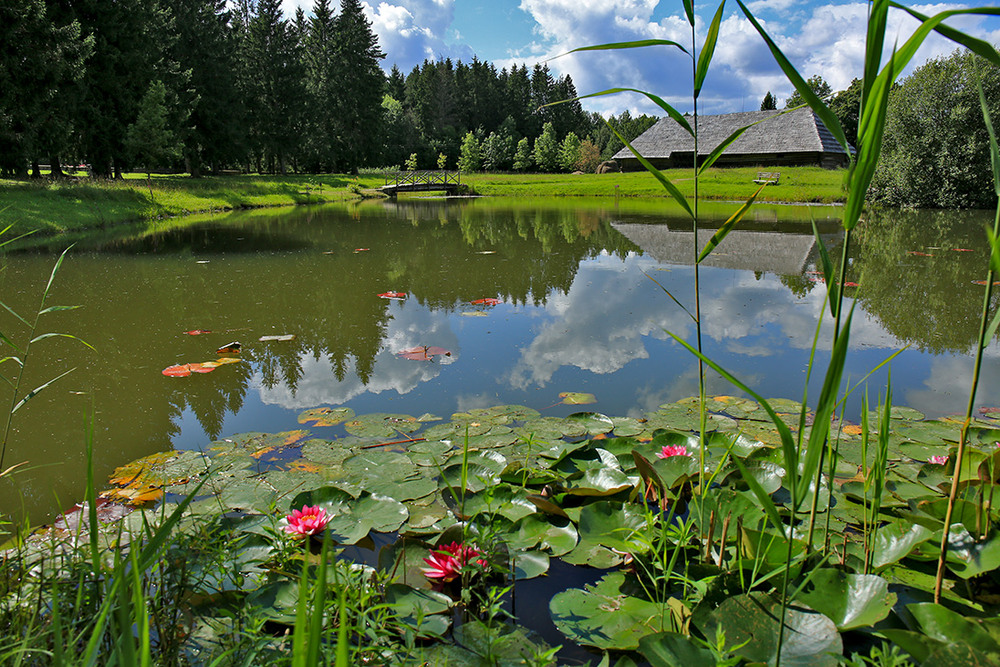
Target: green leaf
(895, 541)
(707, 50)
(728, 226)
(810, 638)
(637, 44)
(605, 617)
(658, 101)
(670, 649)
(977, 46)
(657, 174)
(994, 149)
(849, 600)
(530, 564)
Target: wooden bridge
(422, 181)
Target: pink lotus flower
(940, 460)
(307, 521)
(672, 450)
(446, 563)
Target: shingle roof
(798, 131)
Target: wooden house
(796, 137)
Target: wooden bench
(767, 177)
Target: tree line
(209, 85)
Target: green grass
(59, 207)
(797, 184)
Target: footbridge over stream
(449, 182)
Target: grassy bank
(55, 207)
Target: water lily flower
(446, 563)
(672, 450)
(307, 521)
(939, 460)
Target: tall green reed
(803, 457)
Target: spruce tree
(361, 82)
(768, 103)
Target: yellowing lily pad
(577, 398)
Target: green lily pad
(326, 416)
(382, 425)
(605, 617)
(555, 534)
(751, 622)
(671, 649)
(576, 398)
(530, 564)
(849, 600)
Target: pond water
(582, 308)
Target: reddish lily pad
(184, 370)
(230, 348)
(197, 332)
(424, 353)
(393, 295)
(489, 301)
(361, 249)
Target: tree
(569, 152)
(546, 153)
(768, 103)
(360, 82)
(847, 105)
(522, 156)
(817, 84)
(149, 139)
(935, 147)
(469, 159)
(590, 157)
(41, 58)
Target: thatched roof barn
(794, 138)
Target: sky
(822, 37)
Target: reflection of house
(793, 138)
(771, 252)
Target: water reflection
(577, 314)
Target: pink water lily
(446, 563)
(672, 450)
(940, 460)
(307, 521)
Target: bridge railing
(423, 177)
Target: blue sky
(823, 37)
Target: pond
(581, 307)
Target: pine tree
(768, 103)
(361, 83)
(322, 87)
(149, 140)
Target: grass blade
(828, 117)
(718, 150)
(827, 265)
(655, 99)
(31, 394)
(664, 181)
(994, 149)
(728, 226)
(977, 46)
(707, 50)
(672, 297)
(637, 44)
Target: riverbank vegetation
(718, 530)
(60, 206)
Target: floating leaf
(490, 301)
(577, 398)
(326, 416)
(393, 295)
(230, 348)
(197, 332)
(604, 616)
(179, 371)
(222, 361)
(849, 600)
(282, 337)
(361, 249)
(423, 353)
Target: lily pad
(576, 398)
(849, 600)
(326, 416)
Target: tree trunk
(56, 167)
(36, 171)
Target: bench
(767, 177)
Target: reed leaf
(689, 11)
(871, 127)
(825, 409)
(994, 149)
(728, 225)
(636, 44)
(672, 297)
(724, 144)
(655, 99)
(664, 181)
(34, 392)
(828, 117)
(977, 46)
(827, 265)
(707, 50)
(877, 18)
